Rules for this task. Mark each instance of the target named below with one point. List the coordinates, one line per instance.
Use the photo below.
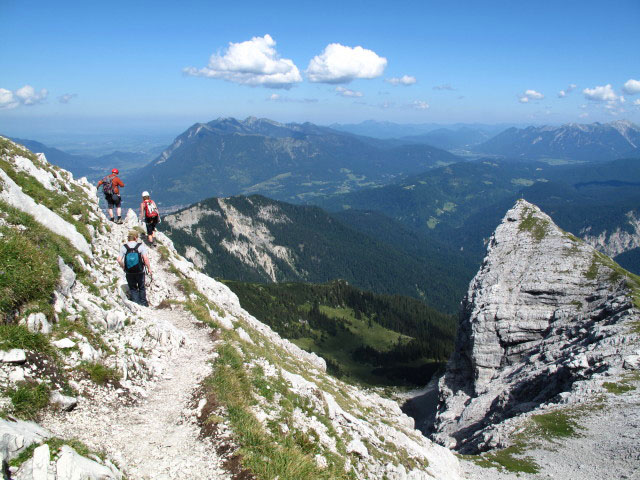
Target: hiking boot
(112, 219)
(119, 221)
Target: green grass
(537, 227)
(618, 388)
(28, 263)
(28, 399)
(19, 336)
(164, 253)
(556, 424)
(29, 271)
(511, 459)
(99, 373)
(266, 455)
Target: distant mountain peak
(572, 141)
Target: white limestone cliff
(544, 319)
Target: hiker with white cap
(149, 212)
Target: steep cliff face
(543, 319)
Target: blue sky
(127, 65)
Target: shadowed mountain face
(259, 239)
(292, 162)
(594, 142)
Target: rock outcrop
(545, 318)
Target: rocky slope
(192, 387)
(547, 322)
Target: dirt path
(157, 438)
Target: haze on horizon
(149, 67)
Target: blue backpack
(133, 259)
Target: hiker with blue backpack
(133, 259)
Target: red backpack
(150, 209)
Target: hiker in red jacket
(149, 212)
(111, 188)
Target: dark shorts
(151, 224)
(113, 200)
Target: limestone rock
(17, 375)
(67, 278)
(40, 465)
(64, 343)
(16, 435)
(63, 402)
(544, 312)
(37, 322)
(131, 219)
(115, 320)
(15, 355)
(72, 466)
(89, 354)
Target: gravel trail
(157, 438)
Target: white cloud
(631, 87)
(600, 94)
(7, 99)
(67, 97)
(26, 95)
(529, 95)
(444, 86)
(420, 105)
(340, 64)
(567, 91)
(345, 92)
(282, 99)
(405, 80)
(636, 102)
(583, 115)
(254, 62)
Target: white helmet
(145, 194)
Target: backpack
(107, 185)
(133, 259)
(150, 209)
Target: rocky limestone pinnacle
(540, 316)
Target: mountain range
(594, 142)
(291, 162)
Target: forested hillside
(376, 339)
(258, 239)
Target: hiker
(149, 213)
(111, 188)
(133, 259)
